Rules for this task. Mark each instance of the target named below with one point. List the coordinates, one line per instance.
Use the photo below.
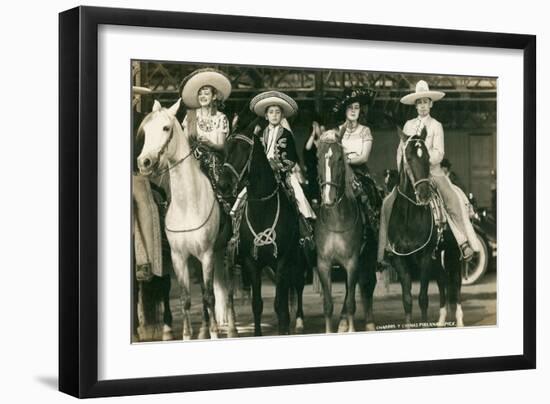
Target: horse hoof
(204, 333)
(299, 326)
(370, 327)
(460, 324)
(343, 326)
(186, 337)
(167, 333)
(213, 335)
(232, 333)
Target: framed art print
(250, 201)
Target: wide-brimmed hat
(138, 90)
(422, 91)
(204, 77)
(364, 96)
(266, 99)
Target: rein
(401, 254)
(339, 199)
(408, 171)
(198, 227)
(163, 149)
(239, 176)
(415, 183)
(172, 166)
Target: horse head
(157, 130)
(416, 166)
(335, 176)
(238, 152)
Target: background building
(468, 111)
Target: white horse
(192, 220)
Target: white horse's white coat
(193, 216)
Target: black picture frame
(78, 200)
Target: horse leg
(323, 269)
(208, 291)
(204, 331)
(135, 309)
(343, 325)
(367, 284)
(405, 279)
(352, 269)
(453, 265)
(281, 297)
(231, 318)
(167, 315)
(257, 302)
(442, 286)
(423, 299)
(298, 283)
(181, 268)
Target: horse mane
(349, 181)
(328, 138)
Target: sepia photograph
(273, 201)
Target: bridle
(410, 174)
(163, 148)
(240, 175)
(331, 183)
(340, 196)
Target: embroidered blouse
(214, 127)
(357, 144)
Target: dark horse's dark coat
(267, 206)
(413, 236)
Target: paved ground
(479, 306)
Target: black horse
(415, 239)
(269, 226)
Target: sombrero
(363, 96)
(266, 99)
(204, 77)
(141, 90)
(422, 91)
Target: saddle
(439, 212)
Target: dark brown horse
(269, 227)
(339, 236)
(414, 238)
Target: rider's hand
(316, 128)
(204, 140)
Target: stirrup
(466, 251)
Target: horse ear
(156, 106)
(174, 108)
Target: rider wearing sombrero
(278, 142)
(460, 225)
(203, 93)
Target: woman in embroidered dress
(203, 94)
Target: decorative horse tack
(266, 237)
